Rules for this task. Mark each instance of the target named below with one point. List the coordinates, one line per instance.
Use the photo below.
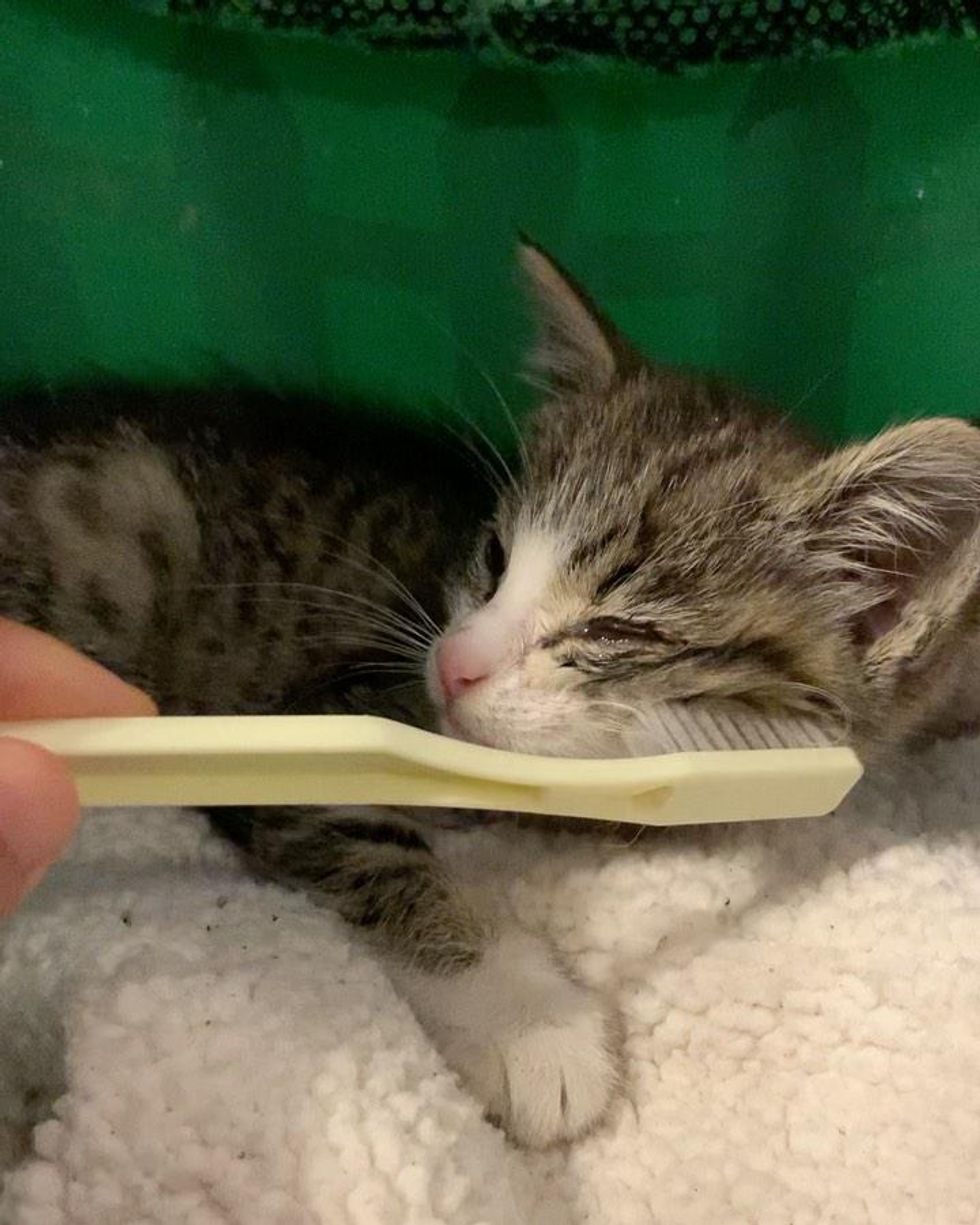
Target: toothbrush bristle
(679, 727)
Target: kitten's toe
(531, 1044)
(551, 1080)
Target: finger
(42, 678)
(38, 814)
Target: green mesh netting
(670, 35)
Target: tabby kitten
(666, 540)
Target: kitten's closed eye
(613, 630)
(610, 635)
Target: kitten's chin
(539, 738)
(457, 729)
(450, 726)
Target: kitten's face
(669, 548)
(631, 568)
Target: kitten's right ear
(578, 349)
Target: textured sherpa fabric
(800, 1004)
(670, 35)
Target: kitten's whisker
(394, 628)
(826, 702)
(369, 633)
(494, 463)
(383, 614)
(495, 479)
(374, 566)
(489, 443)
(488, 379)
(382, 667)
(539, 382)
(348, 622)
(615, 723)
(631, 710)
(412, 684)
(393, 633)
(813, 389)
(506, 474)
(360, 636)
(508, 413)
(392, 648)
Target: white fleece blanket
(800, 1004)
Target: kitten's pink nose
(460, 665)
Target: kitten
(666, 540)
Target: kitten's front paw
(548, 1079)
(531, 1044)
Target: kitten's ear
(578, 349)
(894, 523)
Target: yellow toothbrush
(359, 759)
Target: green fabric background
(174, 198)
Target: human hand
(42, 678)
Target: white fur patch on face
(530, 570)
(514, 696)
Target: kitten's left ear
(894, 525)
(578, 348)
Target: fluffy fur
(665, 540)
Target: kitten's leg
(532, 1044)
(957, 707)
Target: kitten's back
(226, 550)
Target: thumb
(38, 814)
